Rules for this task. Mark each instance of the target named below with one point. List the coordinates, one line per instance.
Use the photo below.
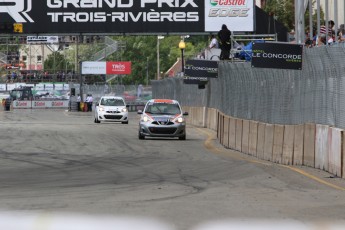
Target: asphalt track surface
(54, 161)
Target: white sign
(237, 15)
(39, 104)
(93, 67)
(42, 39)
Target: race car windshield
(112, 102)
(160, 108)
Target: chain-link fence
(131, 93)
(314, 94)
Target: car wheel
(182, 138)
(141, 137)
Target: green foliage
(284, 11)
(56, 62)
(142, 52)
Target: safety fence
(315, 94)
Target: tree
(142, 49)
(284, 11)
(56, 62)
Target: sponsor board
(238, 15)
(277, 55)
(42, 39)
(106, 68)
(118, 68)
(201, 68)
(195, 80)
(40, 104)
(105, 16)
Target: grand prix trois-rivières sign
(128, 16)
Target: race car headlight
(179, 120)
(124, 110)
(146, 118)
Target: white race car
(111, 108)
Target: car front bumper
(158, 130)
(112, 116)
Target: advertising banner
(195, 80)
(105, 16)
(42, 39)
(40, 104)
(98, 67)
(93, 67)
(201, 68)
(277, 55)
(238, 15)
(119, 68)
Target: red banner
(119, 67)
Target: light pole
(182, 46)
(147, 71)
(158, 61)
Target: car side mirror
(140, 111)
(127, 106)
(185, 113)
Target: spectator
(341, 34)
(213, 42)
(90, 102)
(78, 102)
(324, 34)
(224, 36)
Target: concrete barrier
(278, 140)
(309, 145)
(321, 147)
(245, 136)
(253, 137)
(212, 118)
(298, 146)
(335, 151)
(289, 134)
(268, 148)
(238, 140)
(221, 130)
(343, 154)
(232, 133)
(261, 140)
(226, 131)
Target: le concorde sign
(277, 55)
(128, 16)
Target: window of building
(39, 59)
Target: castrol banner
(237, 15)
(40, 104)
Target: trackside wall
(291, 117)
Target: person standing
(90, 102)
(78, 102)
(224, 36)
(213, 42)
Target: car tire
(182, 137)
(141, 137)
